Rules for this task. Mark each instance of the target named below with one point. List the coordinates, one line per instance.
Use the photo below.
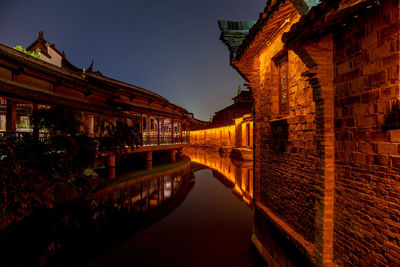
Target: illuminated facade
(325, 80)
(238, 134)
(231, 127)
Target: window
(283, 85)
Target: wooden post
(172, 131)
(148, 126)
(158, 131)
(163, 130)
(91, 124)
(188, 134)
(148, 129)
(35, 127)
(11, 116)
(180, 131)
(100, 122)
(110, 161)
(149, 156)
(141, 130)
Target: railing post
(172, 131)
(148, 130)
(180, 131)
(158, 131)
(11, 116)
(141, 130)
(35, 127)
(162, 131)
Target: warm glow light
(240, 177)
(230, 135)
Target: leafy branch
(31, 53)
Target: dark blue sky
(171, 47)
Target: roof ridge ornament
(90, 68)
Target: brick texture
(329, 168)
(367, 206)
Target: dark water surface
(211, 227)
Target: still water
(208, 220)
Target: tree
(239, 91)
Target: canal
(210, 223)
(197, 211)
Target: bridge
(28, 84)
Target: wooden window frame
(283, 105)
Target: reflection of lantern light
(167, 189)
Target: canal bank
(187, 213)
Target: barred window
(283, 85)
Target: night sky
(169, 47)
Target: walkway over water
(28, 84)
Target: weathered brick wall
(289, 159)
(367, 160)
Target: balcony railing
(153, 140)
(19, 137)
(147, 140)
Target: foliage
(57, 119)
(239, 91)
(40, 173)
(37, 175)
(23, 186)
(31, 53)
(118, 137)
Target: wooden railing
(147, 140)
(20, 136)
(153, 140)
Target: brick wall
(288, 164)
(327, 173)
(367, 204)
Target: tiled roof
(234, 32)
(324, 18)
(91, 80)
(272, 6)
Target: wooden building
(325, 79)
(28, 83)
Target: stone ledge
(307, 248)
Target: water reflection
(233, 173)
(71, 235)
(211, 227)
(140, 196)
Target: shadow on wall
(280, 135)
(392, 122)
